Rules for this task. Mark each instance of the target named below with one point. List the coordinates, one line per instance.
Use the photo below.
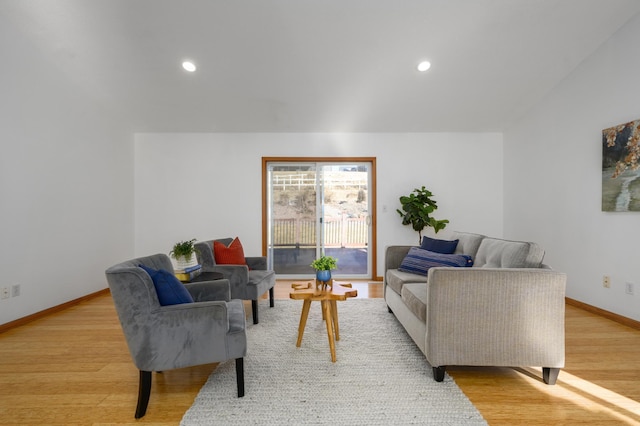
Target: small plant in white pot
(184, 254)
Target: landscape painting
(620, 168)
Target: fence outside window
(339, 232)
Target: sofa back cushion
(468, 243)
(497, 253)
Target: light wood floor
(73, 367)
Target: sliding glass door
(315, 208)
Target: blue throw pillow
(439, 246)
(169, 288)
(418, 261)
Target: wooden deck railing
(338, 232)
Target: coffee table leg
(303, 321)
(334, 313)
(329, 320)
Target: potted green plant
(323, 266)
(416, 211)
(183, 252)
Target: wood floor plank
(72, 367)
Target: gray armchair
(211, 329)
(248, 282)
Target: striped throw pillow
(418, 261)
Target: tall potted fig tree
(417, 208)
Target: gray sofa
(506, 310)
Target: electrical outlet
(628, 288)
(606, 281)
(15, 290)
(5, 293)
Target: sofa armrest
(393, 257)
(258, 263)
(498, 317)
(160, 344)
(205, 291)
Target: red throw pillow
(232, 255)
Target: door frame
(372, 194)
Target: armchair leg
(550, 375)
(240, 376)
(271, 297)
(254, 311)
(144, 390)
(438, 373)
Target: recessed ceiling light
(189, 66)
(424, 65)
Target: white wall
(209, 185)
(66, 184)
(553, 179)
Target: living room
(78, 172)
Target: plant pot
(323, 276)
(182, 263)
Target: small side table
(327, 295)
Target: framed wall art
(621, 168)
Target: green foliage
(325, 263)
(183, 248)
(416, 211)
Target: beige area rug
(380, 377)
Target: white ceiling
(317, 65)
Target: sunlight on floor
(592, 397)
(366, 289)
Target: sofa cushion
(439, 246)
(169, 289)
(414, 296)
(468, 243)
(233, 254)
(497, 253)
(396, 279)
(418, 261)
